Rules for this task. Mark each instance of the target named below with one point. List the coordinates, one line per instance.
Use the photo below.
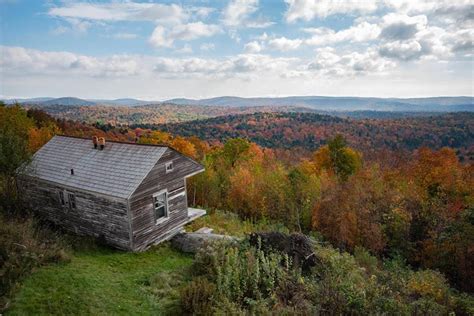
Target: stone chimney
(101, 143)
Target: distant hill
(72, 101)
(30, 100)
(124, 102)
(149, 114)
(67, 101)
(435, 104)
(319, 103)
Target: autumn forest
(398, 188)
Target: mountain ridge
(444, 104)
(325, 103)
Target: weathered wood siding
(145, 231)
(95, 214)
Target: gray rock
(192, 242)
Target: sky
(156, 50)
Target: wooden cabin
(129, 195)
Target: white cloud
(77, 26)
(407, 50)
(207, 47)
(462, 41)
(173, 21)
(253, 47)
(284, 44)
(237, 11)
(259, 23)
(233, 34)
(186, 49)
(31, 62)
(330, 63)
(330, 72)
(362, 32)
(35, 62)
(60, 30)
(239, 14)
(165, 37)
(407, 38)
(193, 31)
(402, 27)
(262, 37)
(125, 36)
(244, 65)
(427, 6)
(121, 11)
(159, 38)
(310, 9)
(201, 12)
(427, 39)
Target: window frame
(62, 198)
(168, 165)
(72, 200)
(165, 217)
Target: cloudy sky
(203, 48)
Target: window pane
(72, 200)
(61, 197)
(160, 212)
(160, 205)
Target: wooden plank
(144, 230)
(95, 214)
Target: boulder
(191, 242)
(299, 247)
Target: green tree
(344, 160)
(234, 150)
(14, 140)
(303, 193)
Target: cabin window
(72, 201)
(61, 198)
(160, 202)
(169, 166)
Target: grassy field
(98, 280)
(102, 281)
(227, 223)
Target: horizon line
(8, 98)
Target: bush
(245, 277)
(250, 281)
(25, 245)
(196, 297)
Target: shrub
(427, 283)
(245, 277)
(250, 281)
(25, 245)
(196, 297)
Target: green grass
(103, 281)
(228, 223)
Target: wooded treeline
(310, 131)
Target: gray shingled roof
(117, 170)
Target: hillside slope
(309, 130)
(442, 104)
(103, 281)
(150, 113)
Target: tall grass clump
(24, 246)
